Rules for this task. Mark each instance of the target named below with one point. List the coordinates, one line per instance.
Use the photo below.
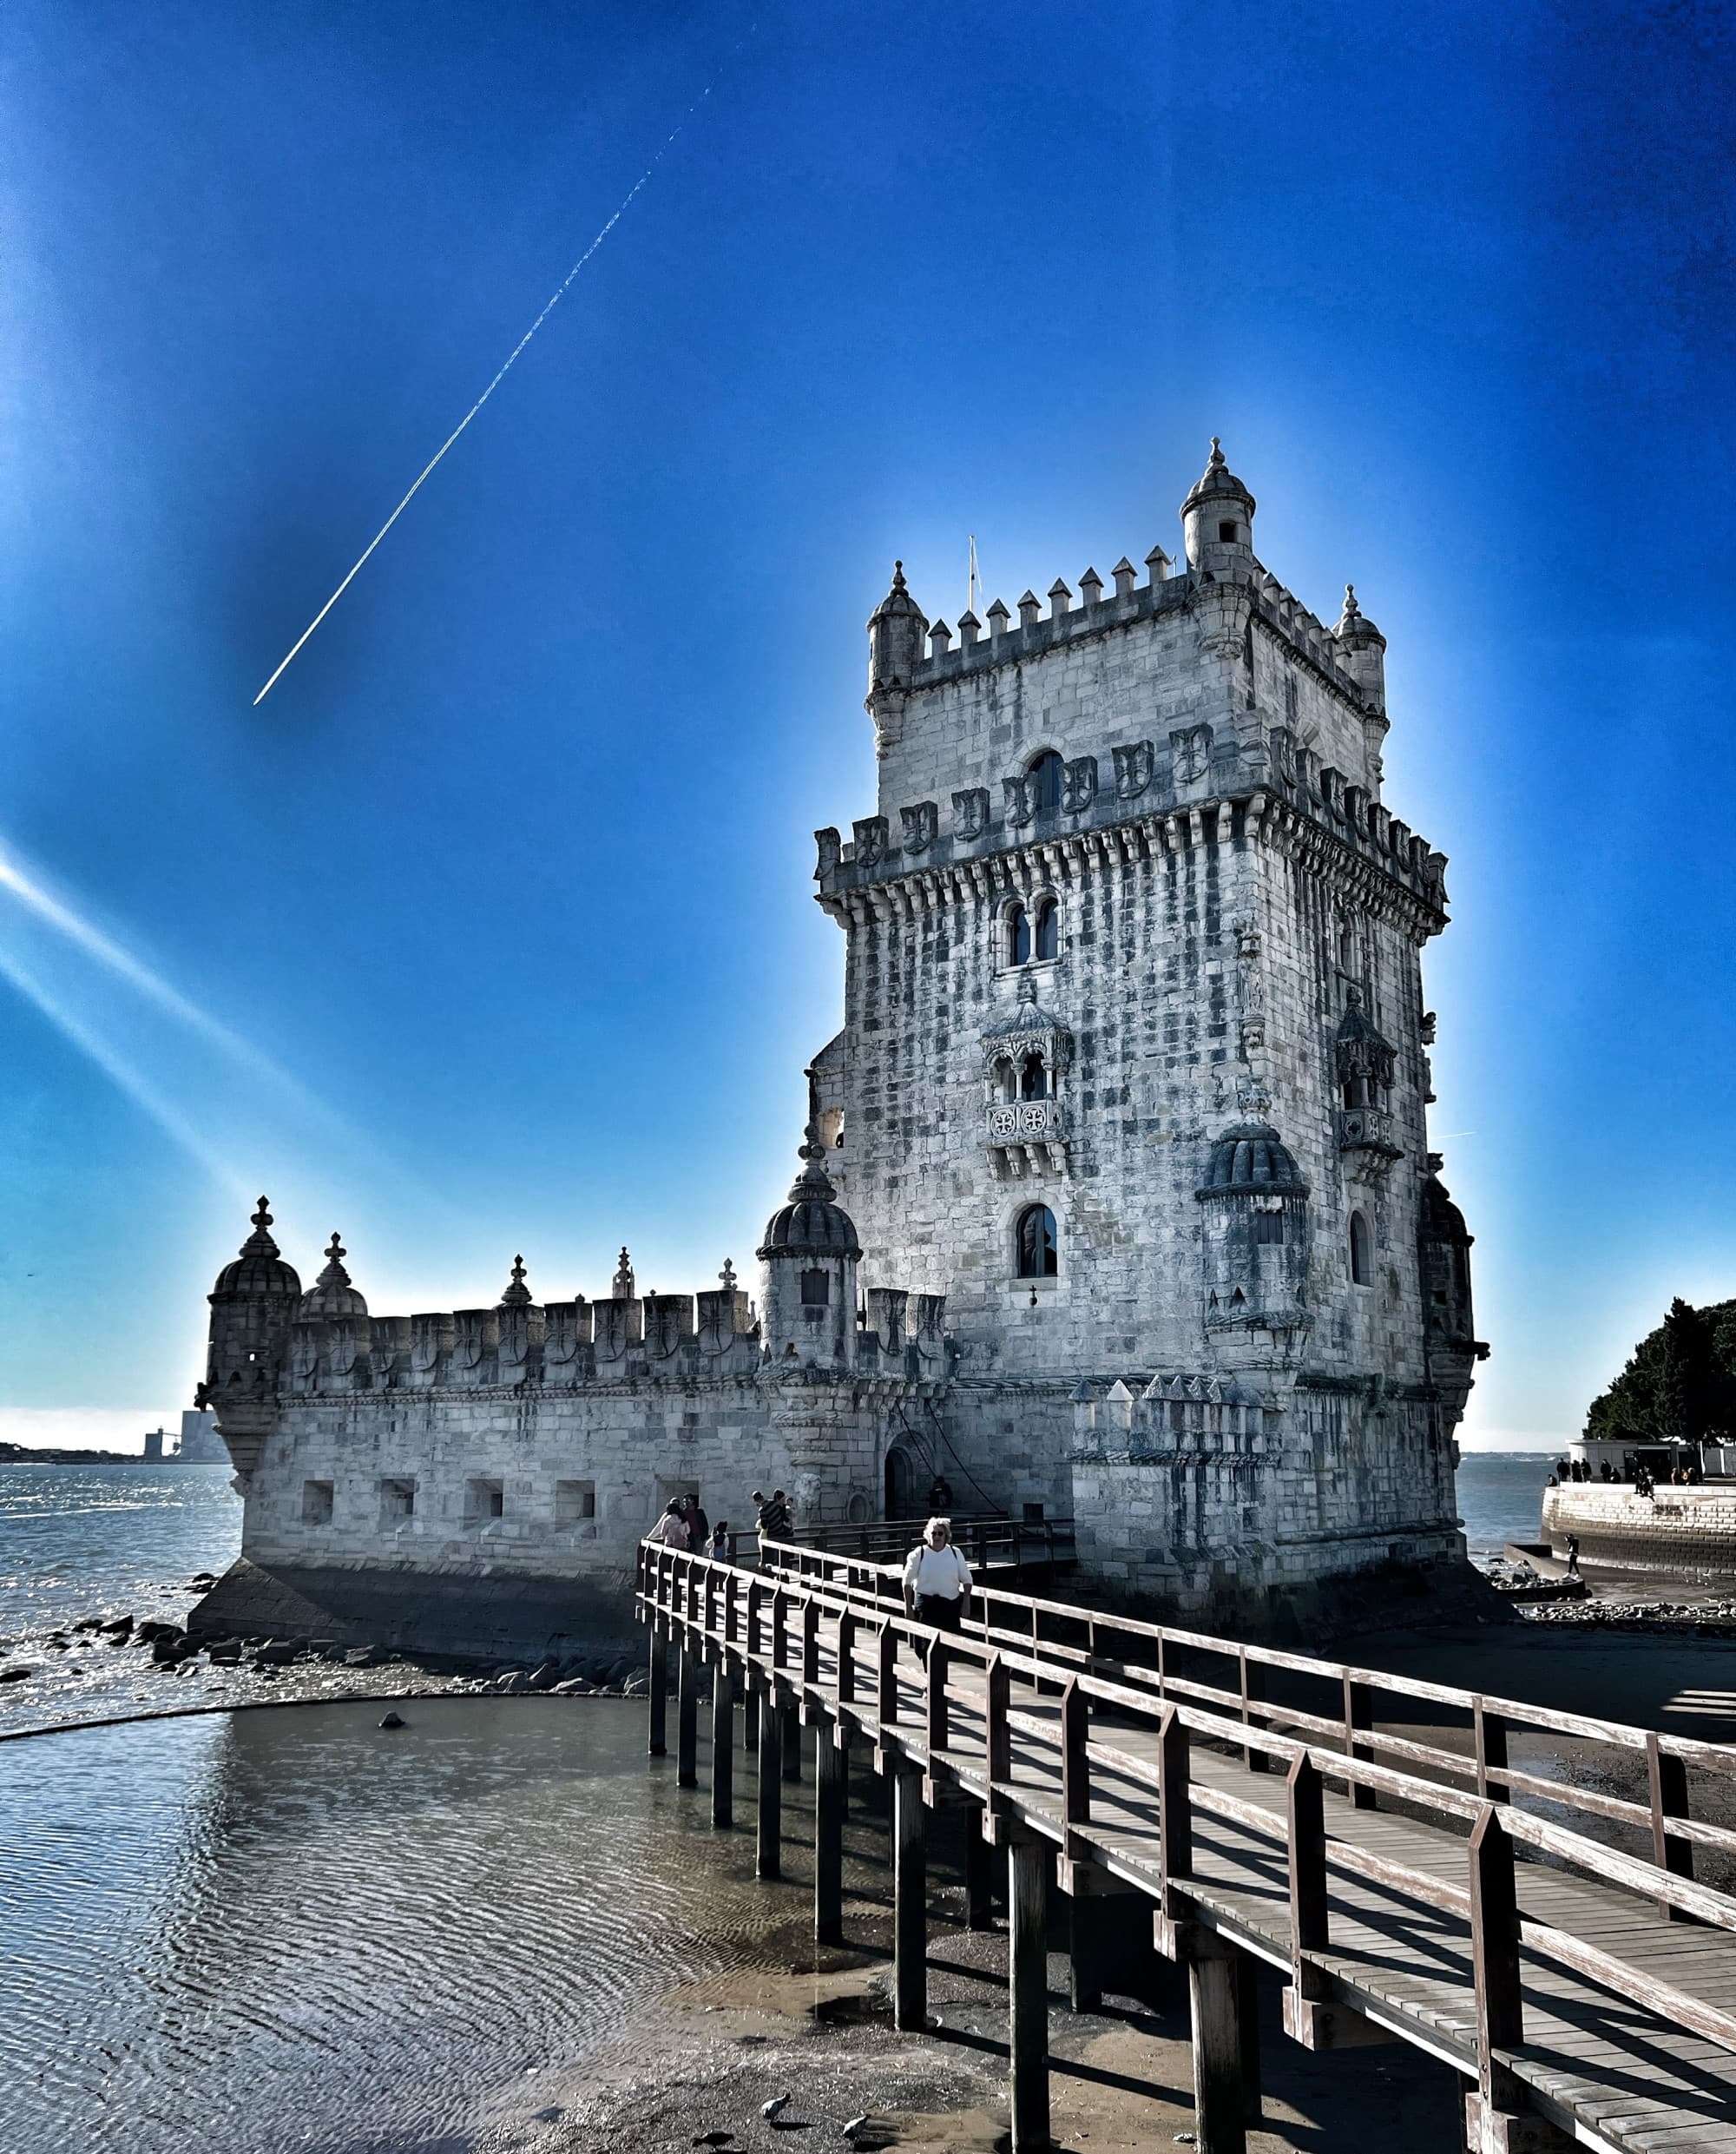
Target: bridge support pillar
(750, 1717)
(686, 1716)
(979, 1874)
(910, 1899)
(792, 1743)
(829, 1785)
(722, 1746)
(1214, 1999)
(658, 1697)
(1086, 1915)
(1028, 1869)
(768, 1855)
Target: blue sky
(490, 930)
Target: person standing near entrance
(936, 1578)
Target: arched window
(1033, 1078)
(1038, 1257)
(1045, 769)
(1006, 1080)
(1047, 935)
(1018, 936)
(1362, 1255)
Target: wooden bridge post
(935, 1698)
(1214, 2005)
(829, 1785)
(910, 1899)
(1028, 1868)
(886, 1677)
(750, 1716)
(722, 1749)
(768, 1853)
(687, 1716)
(659, 1693)
(1497, 2122)
(1086, 1914)
(1489, 1732)
(792, 1743)
(1668, 1779)
(1359, 1720)
(1254, 1694)
(979, 1877)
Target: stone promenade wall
(1688, 1530)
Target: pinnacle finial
(335, 1251)
(518, 1294)
(621, 1285)
(1217, 449)
(897, 575)
(262, 1217)
(1352, 608)
(727, 1276)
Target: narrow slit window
(1362, 1254)
(1048, 930)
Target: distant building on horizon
(200, 1444)
(153, 1445)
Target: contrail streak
(428, 469)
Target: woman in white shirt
(936, 1578)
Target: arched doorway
(901, 1488)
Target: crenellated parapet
(1175, 1417)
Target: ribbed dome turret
(1253, 1158)
(258, 1269)
(331, 1295)
(1218, 483)
(896, 630)
(1355, 628)
(812, 1223)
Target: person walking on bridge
(936, 1578)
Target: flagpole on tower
(973, 577)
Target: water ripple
(292, 1930)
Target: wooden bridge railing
(1136, 1715)
(1170, 1662)
(986, 1537)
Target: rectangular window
(316, 1503)
(575, 1503)
(1226, 534)
(398, 1501)
(1033, 1514)
(483, 1500)
(1268, 1227)
(816, 1289)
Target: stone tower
(1132, 1068)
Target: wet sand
(817, 2025)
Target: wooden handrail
(1082, 1743)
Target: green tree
(1681, 1378)
(1685, 1381)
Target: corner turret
(895, 631)
(807, 1299)
(1363, 651)
(1217, 517)
(253, 1305)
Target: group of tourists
(685, 1525)
(1685, 1474)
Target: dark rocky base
(466, 1620)
(1326, 1610)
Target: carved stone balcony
(1026, 1137)
(1366, 1143)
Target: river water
(288, 1928)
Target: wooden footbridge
(1397, 1849)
